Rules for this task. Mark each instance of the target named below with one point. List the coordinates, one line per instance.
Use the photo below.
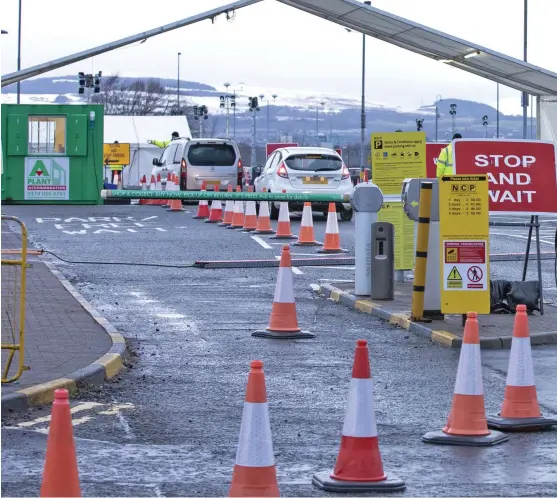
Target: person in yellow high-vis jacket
(163, 143)
(445, 159)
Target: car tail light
(184, 169)
(282, 172)
(345, 173)
(240, 172)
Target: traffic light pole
(253, 143)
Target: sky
(272, 45)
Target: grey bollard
(382, 261)
(366, 200)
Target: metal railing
(13, 304)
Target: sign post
(464, 237)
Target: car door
(262, 181)
(167, 160)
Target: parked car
(215, 161)
(306, 170)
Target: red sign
(432, 151)
(464, 251)
(270, 148)
(522, 174)
(339, 152)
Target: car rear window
(314, 162)
(211, 155)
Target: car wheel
(274, 212)
(346, 214)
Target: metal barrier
(13, 304)
(223, 196)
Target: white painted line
(523, 237)
(75, 409)
(295, 270)
(261, 242)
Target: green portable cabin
(52, 154)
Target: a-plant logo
(40, 178)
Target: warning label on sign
(465, 258)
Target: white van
(213, 161)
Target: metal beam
(11, 78)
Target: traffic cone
(255, 473)
(228, 211)
(332, 237)
(152, 186)
(202, 207)
(359, 467)
(215, 216)
(60, 474)
(520, 410)
(238, 216)
(175, 204)
(467, 424)
(284, 231)
(158, 186)
(306, 237)
(143, 183)
(250, 219)
(169, 188)
(283, 323)
(264, 219)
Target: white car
(315, 170)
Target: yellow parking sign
(464, 234)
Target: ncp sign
(522, 174)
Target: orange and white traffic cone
(284, 230)
(238, 215)
(228, 211)
(60, 474)
(203, 206)
(158, 187)
(467, 424)
(169, 188)
(250, 218)
(332, 236)
(176, 204)
(152, 186)
(520, 410)
(359, 467)
(143, 183)
(255, 473)
(283, 323)
(306, 237)
(215, 216)
(264, 220)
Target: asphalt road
(169, 425)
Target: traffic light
(232, 101)
(222, 102)
(97, 87)
(81, 82)
(204, 111)
(253, 103)
(195, 111)
(419, 124)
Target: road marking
(261, 242)
(295, 270)
(75, 409)
(522, 237)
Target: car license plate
(315, 180)
(212, 182)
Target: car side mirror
(156, 162)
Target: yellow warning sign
(116, 154)
(464, 239)
(454, 275)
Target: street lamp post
(227, 100)
(452, 112)
(274, 99)
(178, 87)
(254, 107)
(363, 111)
(497, 126)
(19, 51)
(524, 94)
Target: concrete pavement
(169, 426)
(66, 342)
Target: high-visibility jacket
(161, 143)
(115, 167)
(445, 161)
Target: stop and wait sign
(522, 174)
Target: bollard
(382, 261)
(421, 252)
(366, 201)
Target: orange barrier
(359, 467)
(467, 424)
(255, 473)
(332, 236)
(283, 323)
(306, 237)
(60, 474)
(520, 410)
